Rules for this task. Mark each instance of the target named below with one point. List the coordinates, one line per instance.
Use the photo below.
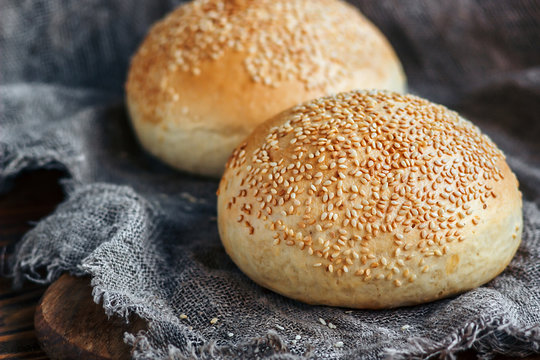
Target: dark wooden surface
(94, 336)
(34, 196)
(80, 330)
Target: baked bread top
(212, 70)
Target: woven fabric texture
(147, 235)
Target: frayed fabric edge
(27, 269)
(14, 163)
(113, 304)
(478, 335)
(143, 350)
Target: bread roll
(369, 200)
(212, 70)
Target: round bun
(212, 70)
(369, 200)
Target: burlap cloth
(147, 235)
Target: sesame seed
(413, 180)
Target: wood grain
(17, 336)
(69, 325)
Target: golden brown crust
(369, 200)
(190, 80)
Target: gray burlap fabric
(147, 234)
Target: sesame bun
(212, 70)
(369, 200)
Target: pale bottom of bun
(199, 149)
(487, 250)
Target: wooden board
(69, 325)
(17, 336)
